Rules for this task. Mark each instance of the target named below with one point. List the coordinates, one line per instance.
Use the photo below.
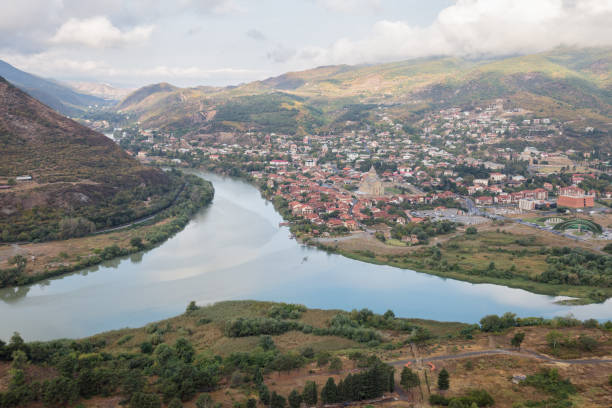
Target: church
(371, 184)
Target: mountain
(59, 97)
(573, 85)
(105, 91)
(79, 177)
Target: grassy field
(516, 255)
(204, 328)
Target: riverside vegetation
(194, 193)
(246, 353)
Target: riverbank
(509, 254)
(501, 256)
(233, 352)
(24, 264)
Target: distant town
(461, 166)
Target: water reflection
(235, 250)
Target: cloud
(98, 32)
(476, 28)
(256, 35)
(28, 24)
(350, 6)
(50, 63)
(281, 54)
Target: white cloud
(477, 28)
(50, 63)
(98, 32)
(350, 6)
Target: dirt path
(526, 354)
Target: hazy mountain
(569, 84)
(75, 172)
(101, 90)
(59, 97)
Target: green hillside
(573, 85)
(81, 181)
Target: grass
(476, 253)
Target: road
(525, 354)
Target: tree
(409, 379)
(443, 380)
(20, 359)
(517, 340)
(310, 394)
(277, 401)
(251, 403)
(142, 400)
(554, 339)
(335, 365)
(204, 401)
(191, 307)
(329, 392)
(136, 242)
(295, 399)
(266, 343)
(175, 403)
(184, 350)
(264, 394)
(471, 231)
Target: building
(526, 204)
(371, 184)
(574, 197)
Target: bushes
(494, 323)
(478, 396)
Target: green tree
(191, 307)
(517, 340)
(408, 378)
(554, 339)
(266, 343)
(264, 394)
(295, 399)
(136, 242)
(142, 400)
(329, 392)
(184, 350)
(335, 365)
(277, 401)
(443, 380)
(20, 359)
(204, 401)
(310, 394)
(175, 403)
(471, 231)
(251, 403)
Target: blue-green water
(234, 249)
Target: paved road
(526, 354)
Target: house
(484, 200)
(497, 177)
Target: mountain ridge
(53, 94)
(75, 173)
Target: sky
(133, 43)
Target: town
(400, 183)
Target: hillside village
(488, 162)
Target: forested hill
(573, 85)
(78, 177)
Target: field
(512, 252)
(205, 329)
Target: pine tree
(329, 393)
(295, 399)
(409, 379)
(310, 394)
(443, 380)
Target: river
(235, 249)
